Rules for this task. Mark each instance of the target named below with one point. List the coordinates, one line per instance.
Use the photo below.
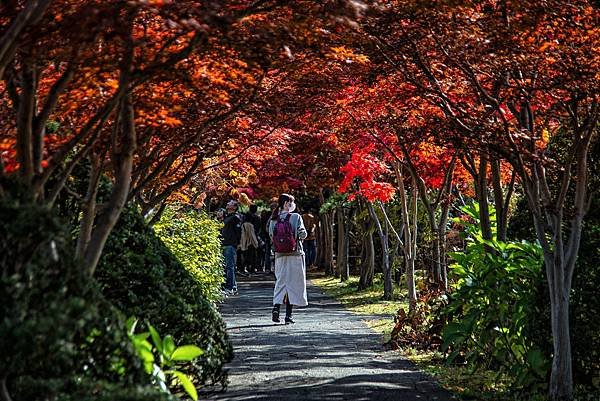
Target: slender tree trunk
(320, 235)
(30, 15)
(89, 207)
(441, 237)
(390, 227)
(367, 268)
(158, 214)
(560, 256)
(482, 197)
(561, 376)
(123, 163)
(345, 273)
(431, 207)
(388, 282)
(328, 244)
(501, 200)
(408, 248)
(414, 203)
(25, 117)
(340, 258)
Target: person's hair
(253, 209)
(280, 202)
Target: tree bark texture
(89, 207)
(122, 158)
(409, 245)
(388, 283)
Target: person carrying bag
(286, 230)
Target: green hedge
(193, 237)
(142, 277)
(58, 335)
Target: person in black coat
(231, 234)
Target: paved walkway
(329, 354)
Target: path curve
(329, 354)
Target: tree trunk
(561, 376)
(341, 262)
(348, 220)
(320, 236)
(30, 15)
(560, 256)
(25, 117)
(123, 162)
(328, 244)
(441, 238)
(431, 207)
(367, 267)
(89, 207)
(409, 245)
(501, 200)
(388, 283)
(482, 197)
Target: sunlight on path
(329, 354)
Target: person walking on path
(249, 242)
(263, 234)
(231, 234)
(310, 222)
(287, 231)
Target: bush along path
(329, 354)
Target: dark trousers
(250, 259)
(267, 257)
(310, 252)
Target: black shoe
(288, 320)
(275, 314)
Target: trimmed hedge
(142, 277)
(58, 335)
(193, 237)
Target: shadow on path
(329, 354)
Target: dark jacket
(255, 220)
(232, 230)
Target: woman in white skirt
(287, 231)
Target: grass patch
(379, 313)
(462, 380)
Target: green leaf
(146, 355)
(186, 353)
(185, 381)
(538, 362)
(156, 338)
(131, 323)
(148, 367)
(141, 336)
(168, 346)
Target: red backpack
(284, 239)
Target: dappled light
(179, 179)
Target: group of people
(251, 242)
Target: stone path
(329, 354)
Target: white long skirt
(290, 274)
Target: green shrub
(143, 278)
(193, 237)
(493, 299)
(84, 389)
(56, 327)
